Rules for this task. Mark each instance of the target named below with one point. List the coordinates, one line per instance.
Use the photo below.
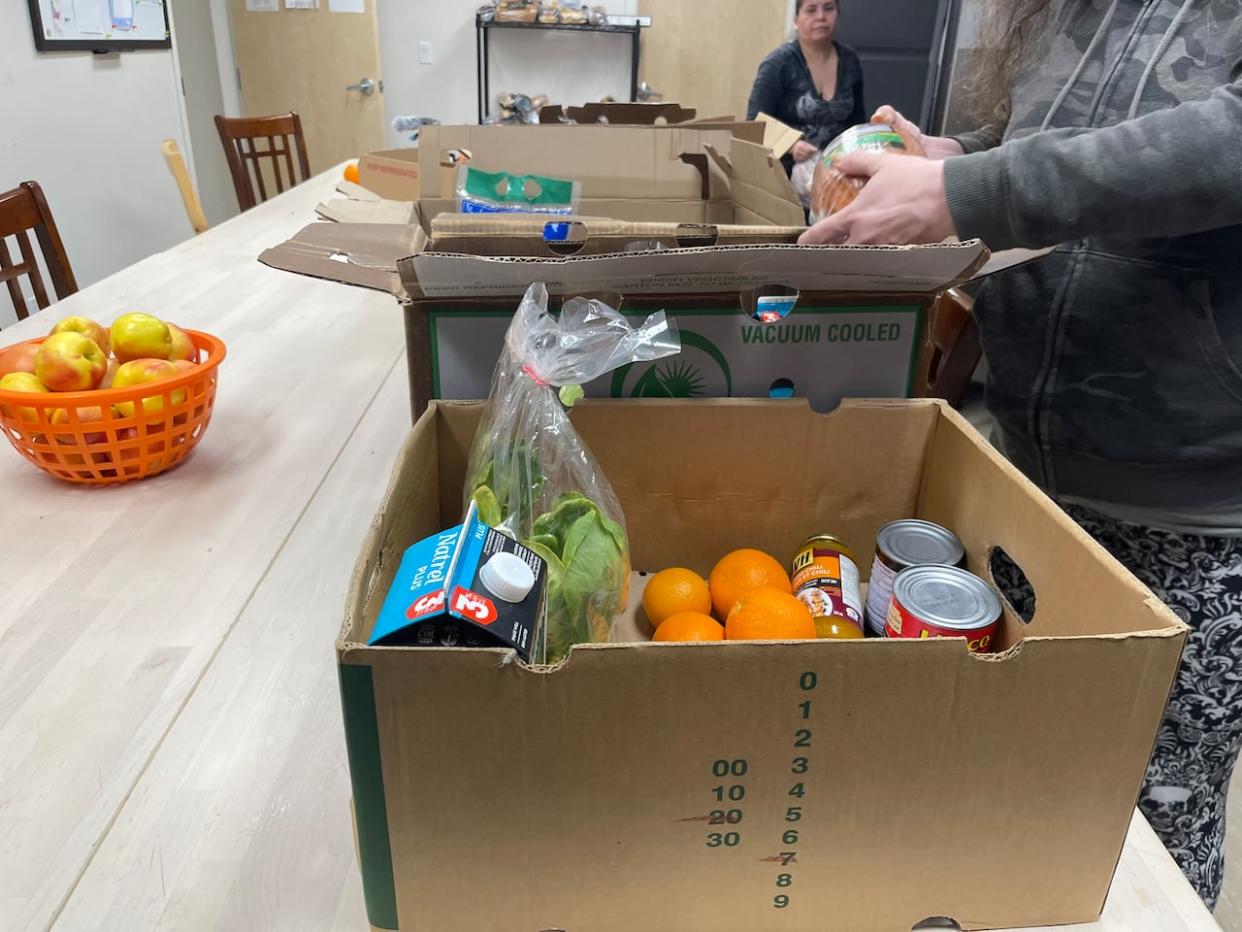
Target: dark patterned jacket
(1116, 361)
(785, 89)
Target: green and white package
(480, 192)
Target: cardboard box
(873, 783)
(703, 226)
(653, 114)
(393, 174)
(643, 174)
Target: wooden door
(304, 60)
(705, 55)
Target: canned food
(900, 545)
(944, 602)
(825, 577)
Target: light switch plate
(424, 52)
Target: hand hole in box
(1015, 589)
(936, 922)
(781, 388)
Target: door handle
(366, 86)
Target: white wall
(194, 44)
(88, 129)
(569, 68)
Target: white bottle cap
(507, 577)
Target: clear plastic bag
(532, 476)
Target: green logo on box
(701, 370)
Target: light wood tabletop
(171, 751)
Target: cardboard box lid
(762, 192)
(777, 137)
(856, 269)
(363, 254)
(526, 235)
(626, 114)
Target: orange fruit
(675, 590)
(739, 572)
(769, 615)
(351, 172)
(689, 626)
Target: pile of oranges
(748, 592)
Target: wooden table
(171, 753)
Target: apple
(110, 374)
(18, 358)
(85, 416)
(140, 336)
(22, 382)
(138, 372)
(86, 326)
(182, 346)
(70, 362)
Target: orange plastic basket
(81, 436)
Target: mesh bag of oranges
(84, 415)
(534, 479)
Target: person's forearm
(1170, 173)
(980, 140)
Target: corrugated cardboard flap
(761, 190)
(525, 235)
(856, 269)
(363, 254)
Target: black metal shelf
(483, 27)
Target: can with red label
(944, 602)
(900, 545)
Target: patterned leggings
(1187, 781)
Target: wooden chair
(245, 159)
(189, 197)
(956, 347)
(22, 209)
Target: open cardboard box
(695, 222)
(872, 783)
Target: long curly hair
(1006, 32)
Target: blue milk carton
(469, 586)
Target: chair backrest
(21, 210)
(189, 197)
(283, 134)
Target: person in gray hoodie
(1116, 360)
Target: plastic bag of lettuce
(533, 477)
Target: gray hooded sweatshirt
(1116, 361)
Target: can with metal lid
(900, 545)
(944, 602)
(826, 579)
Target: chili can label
(828, 581)
(903, 623)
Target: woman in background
(1116, 360)
(812, 83)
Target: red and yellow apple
(22, 382)
(18, 358)
(70, 362)
(87, 327)
(140, 336)
(139, 372)
(182, 346)
(85, 416)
